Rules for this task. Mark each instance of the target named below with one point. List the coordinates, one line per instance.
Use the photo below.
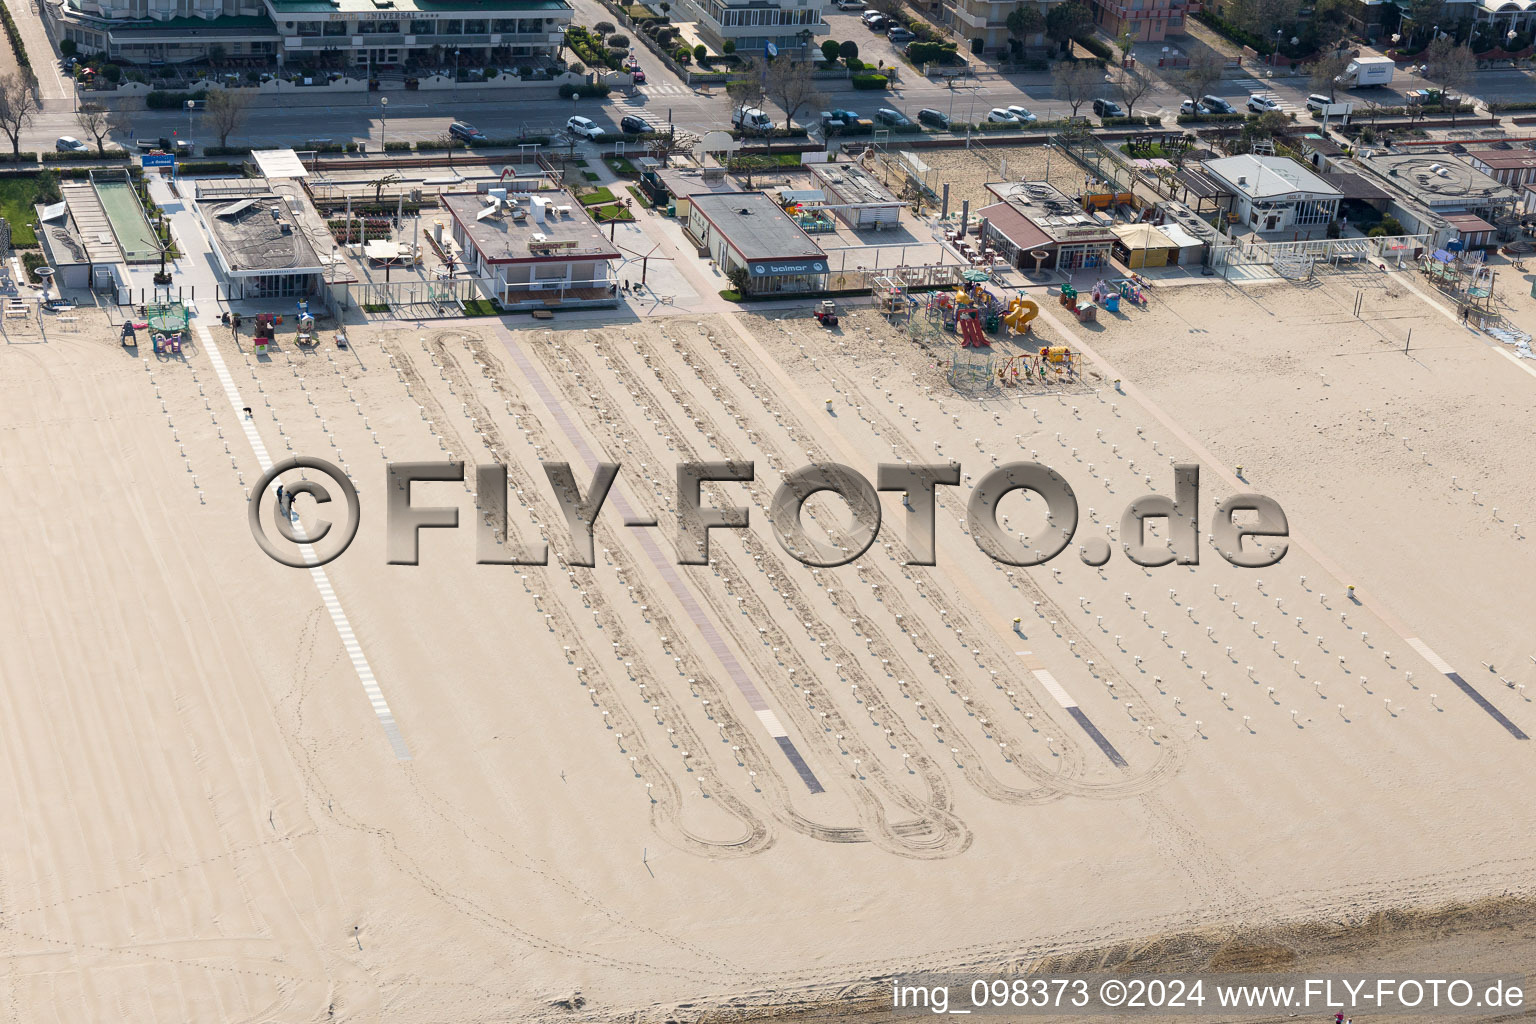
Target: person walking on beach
(282, 507)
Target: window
(450, 27)
(422, 27)
(475, 27)
(309, 28)
(334, 28)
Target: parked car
(894, 118)
(899, 34)
(874, 21)
(1260, 103)
(933, 118)
(584, 126)
(1216, 105)
(850, 5)
(635, 124)
(1190, 107)
(466, 131)
(1002, 115)
(1318, 101)
(637, 76)
(70, 144)
(1107, 108)
(1022, 113)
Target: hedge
(1197, 118)
(869, 81)
(568, 91)
(1513, 105)
(207, 167)
(14, 35)
(226, 151)
(111, 154)
(161, 100)
(1096, 46)
(1137, 121)
(931, 53)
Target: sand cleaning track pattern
(552, 608)
(909, 839)
(928, 586)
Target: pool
(126, 215)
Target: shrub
(68, 47)
(12, 33)
(159, 99)
(728, 47)
(848, 49)
(1097, 47)
(112, 73)
(829, 50)
(619, 39)
(567, 91)
(397, 147)
(593, 90)
(700, 52)
(683, 56)
(869, 81)
(931, 53)
(855, 65)
(1391, 225)
(602, 28)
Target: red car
(637, 76)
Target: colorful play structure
(306, 325)
(1050, 364)
(1106, 294)
(1020, 312)
(167, 323)
(1462, 273)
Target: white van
(751, 119)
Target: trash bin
(362, 147)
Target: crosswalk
(665, 89)
(1255, 86)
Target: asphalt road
(412, 116)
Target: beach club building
(748, 230)
(537, 249)
(1035, 217)
(1275, 193)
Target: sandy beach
(648, 791)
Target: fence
(1285, 258)
(942, 275)
(401, 295)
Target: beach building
(1275, 193)
(749, 231)
(855, 197)
(1514, 167)
(1036, 217)
(539, 249)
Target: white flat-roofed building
(1275, 193)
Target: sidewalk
(51, 84)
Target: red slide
(971, 334)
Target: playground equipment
(1086, 312)
(891, 298)
(1048, 365)
(1058, 358)
(1020, 312)
(130, 338)
(971, 333)
(263, 336)
(306, 327)
(167, 343)
(826, 313)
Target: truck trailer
(1364, 72)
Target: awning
(279, 164)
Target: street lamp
(383, 122)
(456, 67)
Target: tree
(388, 178)
(1263, 18)
(700, 53)
(226, 112)
(829, 50)
(791, 86)
(886, 8)
(18, 102)
(1024, 21)
(95, 122)
(1422, 15)
(1204, 71)
(1066, 22)
(1450, 67)
(1075, 82)
(1324, 74)
(746, 90)
(848, 50)
(1271, 124)
(1131, 84)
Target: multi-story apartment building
(360, 33)
(984, 23)
(750, 24)
(1148, 20)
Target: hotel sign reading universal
(1235, 519)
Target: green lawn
(16, 207)
(597, 196)
(611, 212)
(481, 307)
